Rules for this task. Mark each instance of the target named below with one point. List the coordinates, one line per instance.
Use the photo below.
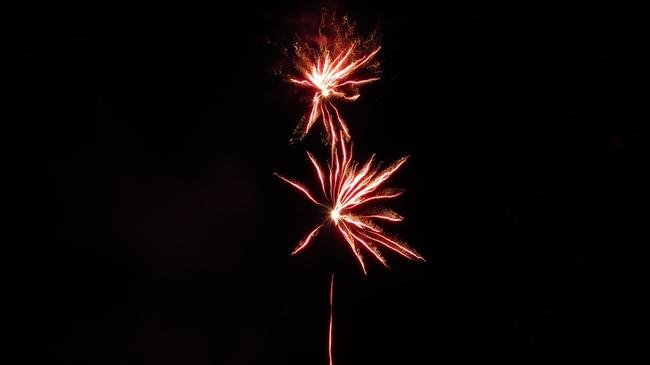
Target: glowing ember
(347, 188)
(328, 70)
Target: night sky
(145, 225)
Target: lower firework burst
(347, 190)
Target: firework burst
(347, 190)
(327, 66)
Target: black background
(145, 225)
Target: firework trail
(331, 327)
(328, 70)
(347, 190)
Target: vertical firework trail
(327, 66)
(331, 327)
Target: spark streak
(347, 188)
(331, 327)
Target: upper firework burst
(329, 65)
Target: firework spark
(347, 189)
(328, 70)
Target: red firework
(347, 189)
(328, 70)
